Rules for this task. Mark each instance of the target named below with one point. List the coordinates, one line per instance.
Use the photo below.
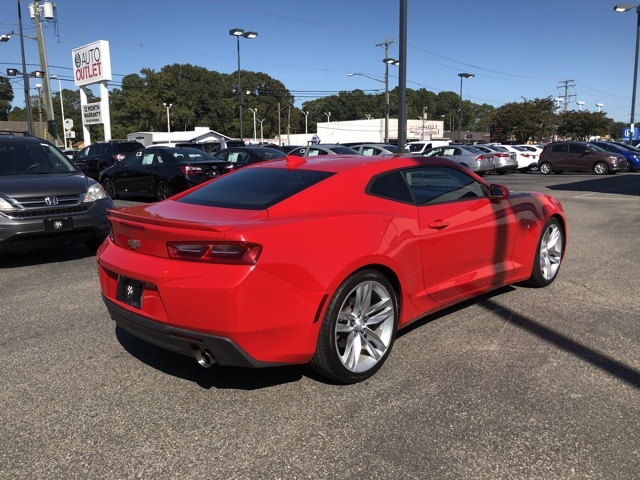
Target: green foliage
(6, 97)
(530, 120)
(580, 125)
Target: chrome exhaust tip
(204, 358)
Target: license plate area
(58, 224)
(129, 291)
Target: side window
(238, 157)
(434, 153)
(559, 149)
(573, 148)
(82, 153)
(133, 160)
(369, 151)
(439, 184)
(314, 152)
(148, 157)
(392, 186)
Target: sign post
(91, 65)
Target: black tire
(546, 263)
(546, 168)
(372, 330)
(110, 188)
(162, 191)
(601, 168)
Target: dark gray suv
(558, 157)
(44, 199)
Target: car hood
(37, 185)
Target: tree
(6, 97)
(580, 125)
(530, 120)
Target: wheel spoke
(363, 298)
(352, 351)
(374, 340)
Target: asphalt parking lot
(520, 383)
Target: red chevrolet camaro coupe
(320, 259)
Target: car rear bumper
(186, 342)
(186, 305)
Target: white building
(199, 135)
(371, 131)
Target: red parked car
(320, 259)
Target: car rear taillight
(481, 158)
(500, 155)
(526, 155)
(236, 253)
(118, 156)
(190, 170)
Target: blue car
(631, 153)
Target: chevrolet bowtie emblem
(134, 244)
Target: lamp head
(466, 75)
(236, 32)
(623, 7)
(250, 35)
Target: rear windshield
(32, 158)
(254, 188)
(128, 147)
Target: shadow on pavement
(40, 257)
(628, 184)
(187, 368)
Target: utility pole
(567, 97)
(36, 13)
(386, 44)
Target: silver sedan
(470, 157)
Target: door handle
(438, 224)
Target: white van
(423, 145)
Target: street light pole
(168, 107)
(261, 134)
(462, 75)
(625, 7)
(254, 110)
(238, 32)
(306, 116)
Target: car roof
(342, 163)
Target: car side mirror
(588, 150)
(497, 192)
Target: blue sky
(514, 48)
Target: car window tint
(559, 148)
(392, 186)
(573, 148)
(438, 184)
(128, 147)
(254, 189)
(133, 160)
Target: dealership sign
(91, 113)
(91, 63)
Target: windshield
(32, 158)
